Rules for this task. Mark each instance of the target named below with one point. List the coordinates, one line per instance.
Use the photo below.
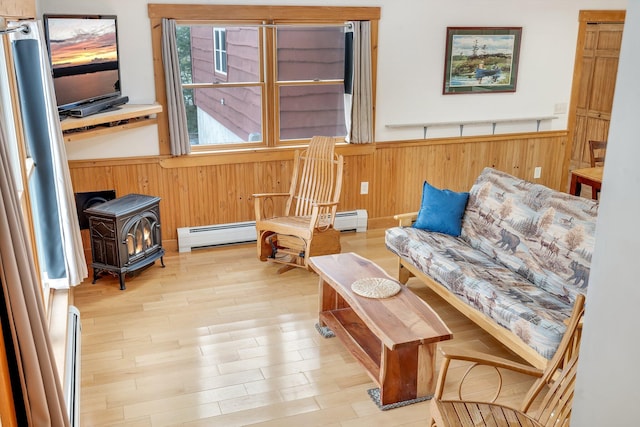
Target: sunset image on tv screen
(84, 57)
(75, 42)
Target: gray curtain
(37, 375)
(53, 203)
(43, 198)
(176, 114)
(358, 105)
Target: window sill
(254, 155)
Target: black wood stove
(125, 235)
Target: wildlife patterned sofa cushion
(544, 235)
(533, 314)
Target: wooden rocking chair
(548, 402)
(306, 227)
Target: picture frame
(481, 60)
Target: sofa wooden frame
(406, 270)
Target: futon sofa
(522, 254)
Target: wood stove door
(141, 237)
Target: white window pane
(310, 110)
(310, 53)
(225, 115)
(239, 54)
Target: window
(220, 50)
(265, 76)
(227, 97)
(221, 111)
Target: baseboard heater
(72, 366)
(243, 232)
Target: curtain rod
(348, 25)
(22, 27)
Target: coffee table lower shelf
(356, 337)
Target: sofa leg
(403, 274)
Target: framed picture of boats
(481, 59)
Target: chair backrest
(558, 380)
(597, 151)
(317, 178)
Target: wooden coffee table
(393, 338)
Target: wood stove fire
(125, 235)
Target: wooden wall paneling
(532, 154)
(122, 179)
(246, 188)
(18, 8)
(389, 163)
(508, 157)
(91, 179)
(198, 194)
(240, 194)
(227, 188)
(454, 170)
(175, 204)
(455, 166)
(271, 177)
(476, 157)
(414, 166)
(384, 179)
(357, 169)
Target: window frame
(237, 15)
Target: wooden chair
(547, 403)
(305, 228)
(597, 151)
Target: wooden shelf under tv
(128, 116)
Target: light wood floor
(217, 338)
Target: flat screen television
(83, 50)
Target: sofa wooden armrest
(406, 219)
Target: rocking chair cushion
(441, 210)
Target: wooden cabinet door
(596, 88)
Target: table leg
(575, 186)
(407, 373)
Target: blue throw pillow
(441, 210)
